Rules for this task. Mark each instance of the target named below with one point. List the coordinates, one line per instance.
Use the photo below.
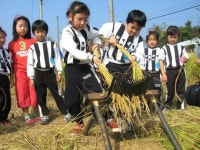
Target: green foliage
(187, 32)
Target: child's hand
(164, 77)
(198, 61)
(58, 77)
(32, 83)
(95, 46)
(12, 81)
(132, 59)
(183, 59)
(96, 60)
(113, 41)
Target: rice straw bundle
(122, 106)
(137, 72)
(106, 74)
(103, 70)
(96, 53)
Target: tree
(187, 32)
(161, 29)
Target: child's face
(152, 42)
(79, 20)
(133, 29)
(172, 39)
(21, 27)
(2, 39)
(40, 35)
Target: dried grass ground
(56, 135)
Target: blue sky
(100, 12)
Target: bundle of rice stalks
(106, 74)
(122, 105)
(192, 69)
(137, 72)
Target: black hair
(137, 16)
(173, 30)
(39, 25)
(2, 31)
(14, 32)
(152, 33)
(78, 7)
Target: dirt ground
(56, 135)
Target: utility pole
(57, 31)
(41, 13)
(111, 11)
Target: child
(154, 63)
(127, 35)
(25, 94)
(42, 58)
(176, 56)
(78, 75)
(5, 71)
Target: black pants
(79, 80)
(155, 84)
(5, 98)
(44, 80)
(119, 70)
(172, 74)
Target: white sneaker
(44, 120)
(68, 117)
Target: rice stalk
(121, 106)
(106, 74)
(135, 101)
(144, 101)
(137, 72)
(192, 69)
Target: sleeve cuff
(60, 72)
(91, 57)
(31, 77)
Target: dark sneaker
(77, 129)
(6, 123)
(44, 120)
(112, 124)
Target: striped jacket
(43, 56)
(134, 45)
(5, 61)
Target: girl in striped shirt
(154, 63)
(176, 57)
(78, 74)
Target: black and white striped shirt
(152, 59)
(134, 45)
(74, 44)
(174, 53)
(5, 61)
(43, 56)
